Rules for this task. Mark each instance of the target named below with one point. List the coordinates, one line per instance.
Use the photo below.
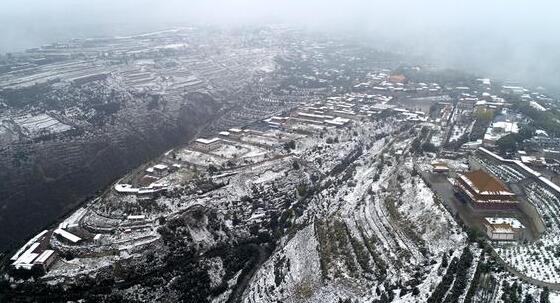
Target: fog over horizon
(513, 40)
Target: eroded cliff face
(40, 180)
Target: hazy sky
(513, 38)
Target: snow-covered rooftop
(67, 235)
(514, 223)
(136, 217)
(43, 257)
(125, 188)
(27, 257)
(160, 167)
(338, 121)
(207, 141)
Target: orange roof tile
(484, 182)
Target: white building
(125, 188)
(29, 243)
(235, 132)
(160, 169)
(25, 260)
(338, 121)
(498, 130)
(205, 145)
(70, 237)
(503, 229)
(136, 217)
(537, 106)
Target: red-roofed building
(399, 78)
(484, 191)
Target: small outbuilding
(503, 229)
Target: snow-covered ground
(352, 222)
(440, 232)
(198, 158)
(293, 272)
(229, 151)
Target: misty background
(515, 40)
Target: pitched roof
(439, 163)
(484, 183)
(397, 78)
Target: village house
(440, 167)
(67, 236)
(158, 170)
(205, 145)
(235, 133)
(45, 259)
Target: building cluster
(487, 189)
(275, 130)
(90, 229)
(163, 65)
(34, 254)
